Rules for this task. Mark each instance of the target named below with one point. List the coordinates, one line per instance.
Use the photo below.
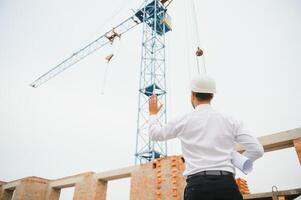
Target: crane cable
(197, 36)
(108, 59)
(109, 19)
(104, 80)
(189, 43)
(124, 4)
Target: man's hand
(153, 105)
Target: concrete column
(6, 194)
(143, 183)
(53, 194)
(161, 179)
(297, 145)
(31, 188)
(89, 188)
(0, 190)
(173, 182)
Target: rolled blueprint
(243, 163)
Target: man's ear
(192, 96)
(192, 99)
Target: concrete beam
(287, 193)
(11, 185)
(2, 183)
(116, 174)
(277, 141)
(69, 181)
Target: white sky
(65, 127)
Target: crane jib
(107, 38)
(163, 25)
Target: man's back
(207, 140)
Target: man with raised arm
(207, 139)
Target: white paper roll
(243, 163)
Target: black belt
(211, 173)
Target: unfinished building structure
(161, 179)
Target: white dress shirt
(207, 139)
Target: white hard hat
(203, 84)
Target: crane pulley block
(112, 35)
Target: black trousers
(212, 187)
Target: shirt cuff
(153, 116)
(152, 119)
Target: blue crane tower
(152, 76)
(156, 23)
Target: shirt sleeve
(253, 149)
(169, 131)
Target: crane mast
(152, 77)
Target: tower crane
(156, 23)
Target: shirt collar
(202, 106)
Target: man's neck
(202, 103)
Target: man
(207, 139)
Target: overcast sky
(65, 127)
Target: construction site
(155, 174)
(159, 179)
